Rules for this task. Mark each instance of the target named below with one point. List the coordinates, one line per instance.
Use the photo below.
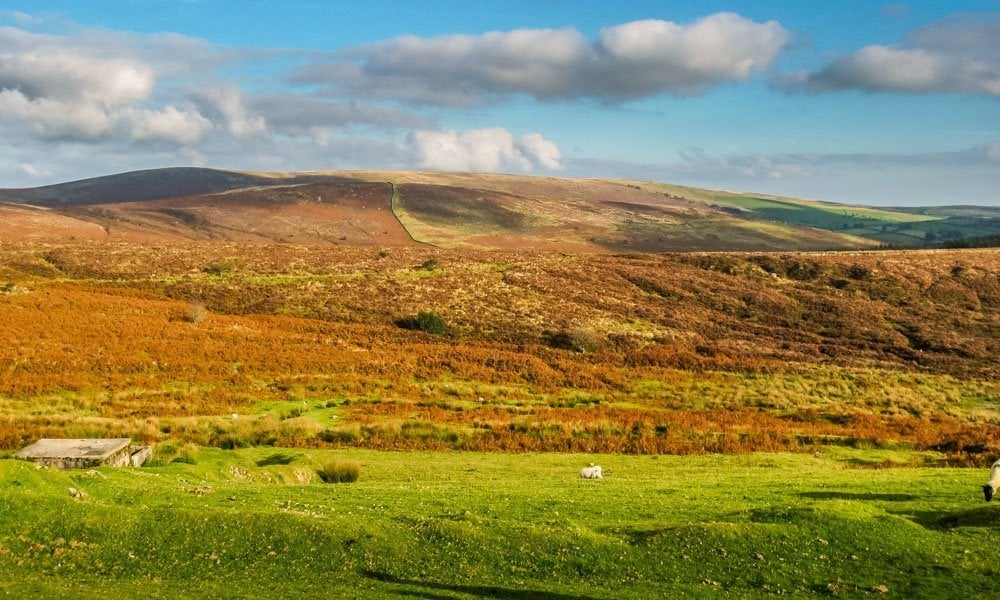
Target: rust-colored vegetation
(685, 353)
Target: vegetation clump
(426, 321)
(430, 264)
(195, 312)
(340, 471)
(577, 339)
(220, 268)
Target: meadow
(769, 423)
(258, 523)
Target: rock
(880, 589)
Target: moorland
(771, 421)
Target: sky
(892, 104)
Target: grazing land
(258, 523)
(805, 423)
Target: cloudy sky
(851, 101)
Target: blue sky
(868, 102)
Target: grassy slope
(471, 210)
(453, 525)
(492, 211)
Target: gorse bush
(220, 268)
(426, 321)
(340, 471)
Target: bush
(220, 268)
(577, 339)
(426, 321)
(340, 471)
(430, 264)
(195, 312)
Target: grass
(448, 525)
(339, 472)
(876, 371)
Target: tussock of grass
(340, 471)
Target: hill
(476, 211)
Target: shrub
(8, 287)
(426, 321)
(342, 435)
(220, 268)
(577, 339)
(195, 312)
(340, 471)
(430, 264)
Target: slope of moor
(545, 351)
(475, 211)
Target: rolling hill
(453, 210)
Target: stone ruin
(85, 454)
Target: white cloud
(650, 56)
(483, 150)
(30, 170)
(634, 60)
(955, 55)
(53, 118)
(229, 106)
(184, 127)
(542, 151)
(69, 75)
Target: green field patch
(323, 411)
(482, 524)
(823, 217)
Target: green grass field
(258, 523)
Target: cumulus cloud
(955, 55)
(633, 60)
(483, 150)
(227, 105)
(295, 113)
(54, 88)
(183, 126)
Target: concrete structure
(85, 454)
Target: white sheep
(991, 486)
(591, 472)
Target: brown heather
(684, 353)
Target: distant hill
(462, 210)
(153, 184)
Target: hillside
(567, 352)
(449, 210)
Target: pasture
(258, 522)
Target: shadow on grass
(276, 459)
(986, 516)
(850, 496)
(483, 591)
